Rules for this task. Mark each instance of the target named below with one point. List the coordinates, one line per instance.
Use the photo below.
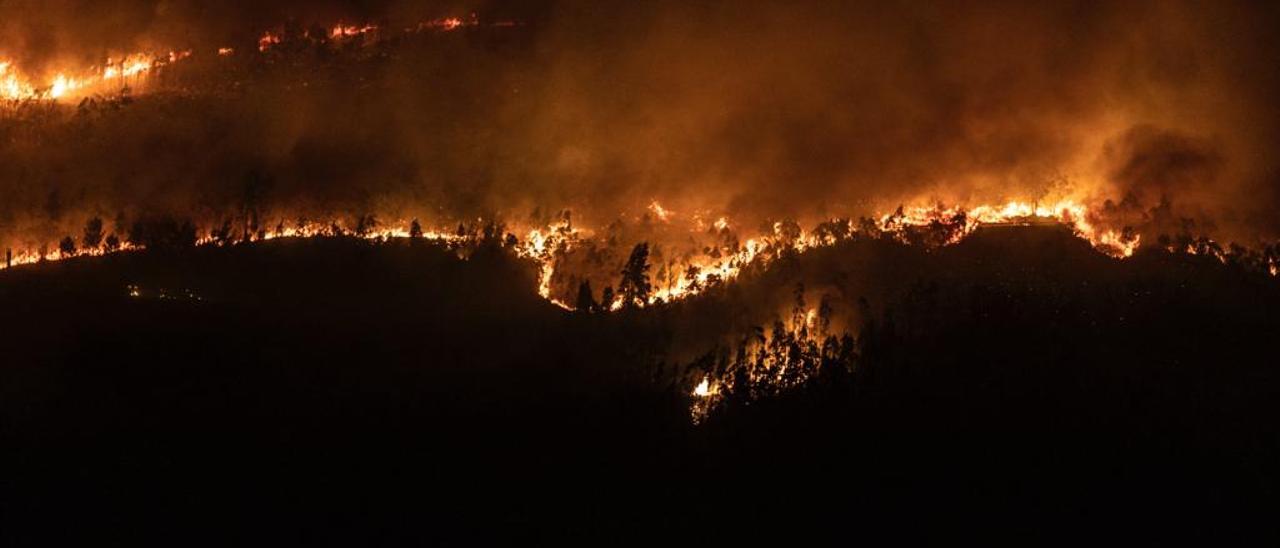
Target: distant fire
(114, 71)
(348, 31)
(693, 273)
(716, 251)
(267, 40)
(76, 82)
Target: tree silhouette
(366, 225)
(586, 301)
(93, 233)
(162, 233)
(415, 229)
(67, 247)
(222, 234)
(634, 285)
(606, 298)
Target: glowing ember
(663, 214)
(348, 31)
(268, 40)
(705, 389)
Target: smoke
(754, 110)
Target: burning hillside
(418, 270)
(806, 112)
(639, 157)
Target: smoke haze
(754, 110)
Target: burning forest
(708, 255)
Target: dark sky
(755, 109)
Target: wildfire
(706, 394)
(542, 245)
(267, 40)
(14, 86)
(692, 274)
(447, 24)
(130, 69)
(1067, 213)
(663, 214)
(348, 31)
(705, 389)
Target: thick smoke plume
(753, 110)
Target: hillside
(323, 388)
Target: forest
(323, 388)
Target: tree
(112, 242)
(492, 233)
(415, 229)
(586, 300)
(606, 298)
(635, 286)
(67, 247)
(222, 234)
(366, 225)
(93, 233)
(162, 233)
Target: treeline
(163, 232)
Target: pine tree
(67, 247)
(93, 233)
(606, 298)
(586, 301)
(635, 286)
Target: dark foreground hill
(336, 391)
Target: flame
(547, 245)
(62, 85)
(72, 83)
(706, 395)
(663, 214)
(541, 245)
(267, 40)
(447, 24)
(14, 86)
(705, 389)
(347, 31)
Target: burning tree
(67, 247)
(586, 300)
(93, 233)
(789, 357)
(634, 286)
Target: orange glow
(663, 214)
(128, 70)
(267, 40)
(348, 31)
(545, 245)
